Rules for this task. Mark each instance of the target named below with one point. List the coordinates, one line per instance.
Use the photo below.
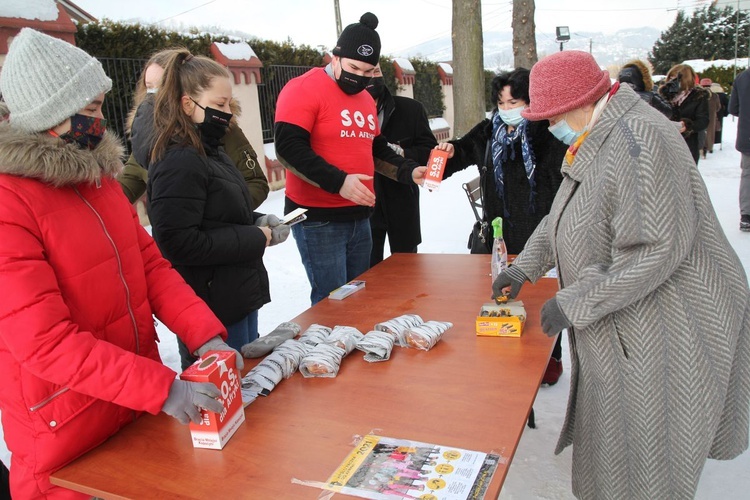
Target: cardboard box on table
(218, 368)
(501, 320)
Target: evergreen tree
(709, 34)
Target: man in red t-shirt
(328, 138)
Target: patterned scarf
(503, 149)
(570, 154)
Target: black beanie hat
(360, 41)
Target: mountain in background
(608, 49)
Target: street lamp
(562, 35)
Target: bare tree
(524, 34)
(468, 65)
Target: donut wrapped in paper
(377, 345)
(398, 325)
(345, 337)
(315, 335)
(323, 360)
(280, 364)
(426, 335)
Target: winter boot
(553, 372)
(745, 222)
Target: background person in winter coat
(141, 129)
(723, 111)
(690, 103)
(739, 106)
(519, 166)
(714, 106)
(81, 278)
(655, 300)
(404, 124)
(200, 209)
(638, 75)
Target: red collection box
(218, 368)
(435, 169)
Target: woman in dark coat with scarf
(690, 103)
(519, 166)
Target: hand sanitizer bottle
(499, 260)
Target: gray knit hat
(45, 80)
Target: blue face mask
(564, 133)
(512, 116)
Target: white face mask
(511, 116)
(152, 90)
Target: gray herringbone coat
(660, 346)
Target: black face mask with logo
(214, 125)
(376, 87)
(352, 84)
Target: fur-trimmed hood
(48, 159)
(648, 83)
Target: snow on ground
(536, 473)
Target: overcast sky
(403, 23)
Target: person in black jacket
(404, 124)
(741, 94)
(201, 211)
(690, 103)
(519, 166)
(636, 74)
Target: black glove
(553, 318)
(512, 277)
(185, 400)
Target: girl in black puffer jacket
(201, 212)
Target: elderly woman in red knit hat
(659, 381)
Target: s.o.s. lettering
(363, 124)
(436, 168)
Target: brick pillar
(445, 72)
(244, 65)
(405, 76)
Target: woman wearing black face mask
(200, 209)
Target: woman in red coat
(80, 277)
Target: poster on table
(383, 468)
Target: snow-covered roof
(236, 51)
(438, 123)
(447, 68)
(42, 10)
(699, 65)
(404, 63)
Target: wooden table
(467, 392)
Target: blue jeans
(239, 334)
(243, 332)
(333, 253)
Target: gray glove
(279, 233)
(269, 220)
(186, 398)
(553, 318)
(396, 148)
(512, 277)
(216, 344)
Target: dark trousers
(378, 245)
(4, 482)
